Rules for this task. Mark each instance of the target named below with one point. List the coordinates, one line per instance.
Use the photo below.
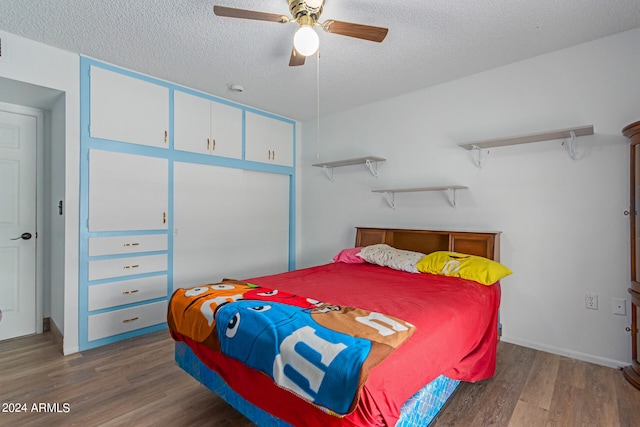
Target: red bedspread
(456, 336)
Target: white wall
(46, 68)
(57, 223)
(564, 231)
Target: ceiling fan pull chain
(318, 105)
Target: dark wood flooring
(137, 383)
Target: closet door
(268, 140)
(266, 218)
(191, 123)
(226, 130)
(229, 223)
(206, 127)
(126, 109)
(127, 192)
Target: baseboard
(611, 363)
(50, 326)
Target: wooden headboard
(485, 244)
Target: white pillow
(387, 256)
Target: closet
(177, 189)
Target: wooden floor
(136, 383)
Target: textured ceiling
(429, 42)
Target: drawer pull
(166, 136)
(130, 320)
(131, 244)
(131, 266)
(164, 217)
(130, 292)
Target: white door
(127, 191)
(207, 228)
(229, 223)
(191, 123)
(266, 222)
(268, 140)
(226, 130)
(17, 224)
(127, 109)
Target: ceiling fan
(306, 13)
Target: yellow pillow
(471, 267)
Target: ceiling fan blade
(365, 32)
(296, 59)
(249, 14)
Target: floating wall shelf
(570, 133)
(370, 161)
(389, 195)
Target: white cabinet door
(206, 127)
(268, 140)
(127, 192)
(266, 219)
(127, 109)
(226, 130)
(229, 223)
(191, 123)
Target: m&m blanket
(317, 350)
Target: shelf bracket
(373, 167)
(329, 172)
(478, 154)
(572, 148)
(389, 196)
(451, 193)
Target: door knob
(23, 236)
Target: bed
(452, 335)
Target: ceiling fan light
(306, 40)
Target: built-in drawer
(126, 292)
(119, 267)
(115, 245)
(125, 320)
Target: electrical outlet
(591, 301)
(620, 306)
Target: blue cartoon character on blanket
(321, 354)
